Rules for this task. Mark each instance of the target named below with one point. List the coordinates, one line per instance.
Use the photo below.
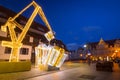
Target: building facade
(105, 49)
(31, 40)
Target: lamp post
(85, 50)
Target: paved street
(84, 72)
(69, 71)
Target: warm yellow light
(11, 44)
(3, 28)
(113, 54)
(101, 58)
(62, 59)
(49, 35)
(116, 50)
(41, 54)
(86, 55)
(16, 42)
(81, 55)
(54, 56)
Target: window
(31, 39)
(7, 50)
(24, 51)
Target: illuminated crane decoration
(16, 42)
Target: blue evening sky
(77, 21)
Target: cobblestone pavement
(69, 71)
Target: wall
(4, 56)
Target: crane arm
(49, 35)
(12, 32)
(18, 25)
(22, 11)
(22, 35)
(42, 15)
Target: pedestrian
(89, 61)
(119, 63)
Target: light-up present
(41, 53)
(57, 57)
(49, 56)
(49, 35)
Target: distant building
(81, 53)
(77, 54)
(104, 49)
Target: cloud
(91, 28)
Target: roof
(109, 42)
(58, 43)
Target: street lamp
(85, 46)
(85, 50)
